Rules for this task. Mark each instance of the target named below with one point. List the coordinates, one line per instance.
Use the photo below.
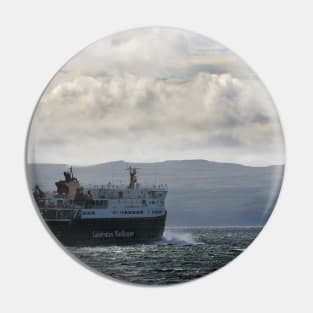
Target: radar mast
(132, 177)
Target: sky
(155, 94)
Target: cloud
(155, 96)
(156, 52)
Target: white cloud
(140, 97)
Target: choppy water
(183, 254)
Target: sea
(183, 254)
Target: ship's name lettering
(114, 234)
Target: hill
(200, 192)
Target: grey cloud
(210, 68)
(113, 103)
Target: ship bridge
(111, 191)
(133, 190)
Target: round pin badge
(155, 156)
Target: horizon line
(130, 162)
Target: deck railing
(58, 214)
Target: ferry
(103, 214)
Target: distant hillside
(200, 192)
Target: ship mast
(132, 177)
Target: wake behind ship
(106, 214)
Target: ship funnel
(69, 185)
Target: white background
(275, 273)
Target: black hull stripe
(91, 232)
